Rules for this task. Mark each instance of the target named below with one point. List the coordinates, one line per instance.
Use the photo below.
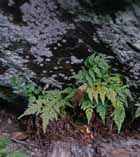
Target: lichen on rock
(44, 25)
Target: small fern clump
(103, 90)
(100, 89)
(49, 105)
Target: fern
(119, 114)
(101, 109)
(49, 105)
(103, 89)
(87, 107)
(96, 66)
(28, 89)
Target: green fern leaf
(48, 114)
(137, 112)
(32, 109)
(111, 95)
(92, 74)
(97, 71)
(89, 80)
(102, 109)
(88, 108)
(119, 115)
(102, 93)
(89, 113)
(127, 92)
(95, 95)
(90, 94)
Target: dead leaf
(87, 133)
(19, 136)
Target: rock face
(44, 26)
(117, 27)
(122, 34)
(28, 47)
(124, 147)
(52, 37)
(117, 147)
(60, 149)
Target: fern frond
(101, 110)
(103, 88)
(119, 115)
(87, 106)
(33, 108)
(137, 112)
(50, 105)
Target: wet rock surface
(51, 39)
(34, 47)
(118, 30)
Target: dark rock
(12, 102)
(119, 30)
(63, 149)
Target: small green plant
(49, 105)
(3, 150)
(103, 90)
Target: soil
(113, 145)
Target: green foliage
(103, 90)
(96, 67)
(87, 107)
(136, 107)
(49, 105)
(137, 112)
(3, 150)
(101, 110)
(28, 89)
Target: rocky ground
(106, 145)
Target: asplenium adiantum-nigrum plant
(102, 90)
(49, 105)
